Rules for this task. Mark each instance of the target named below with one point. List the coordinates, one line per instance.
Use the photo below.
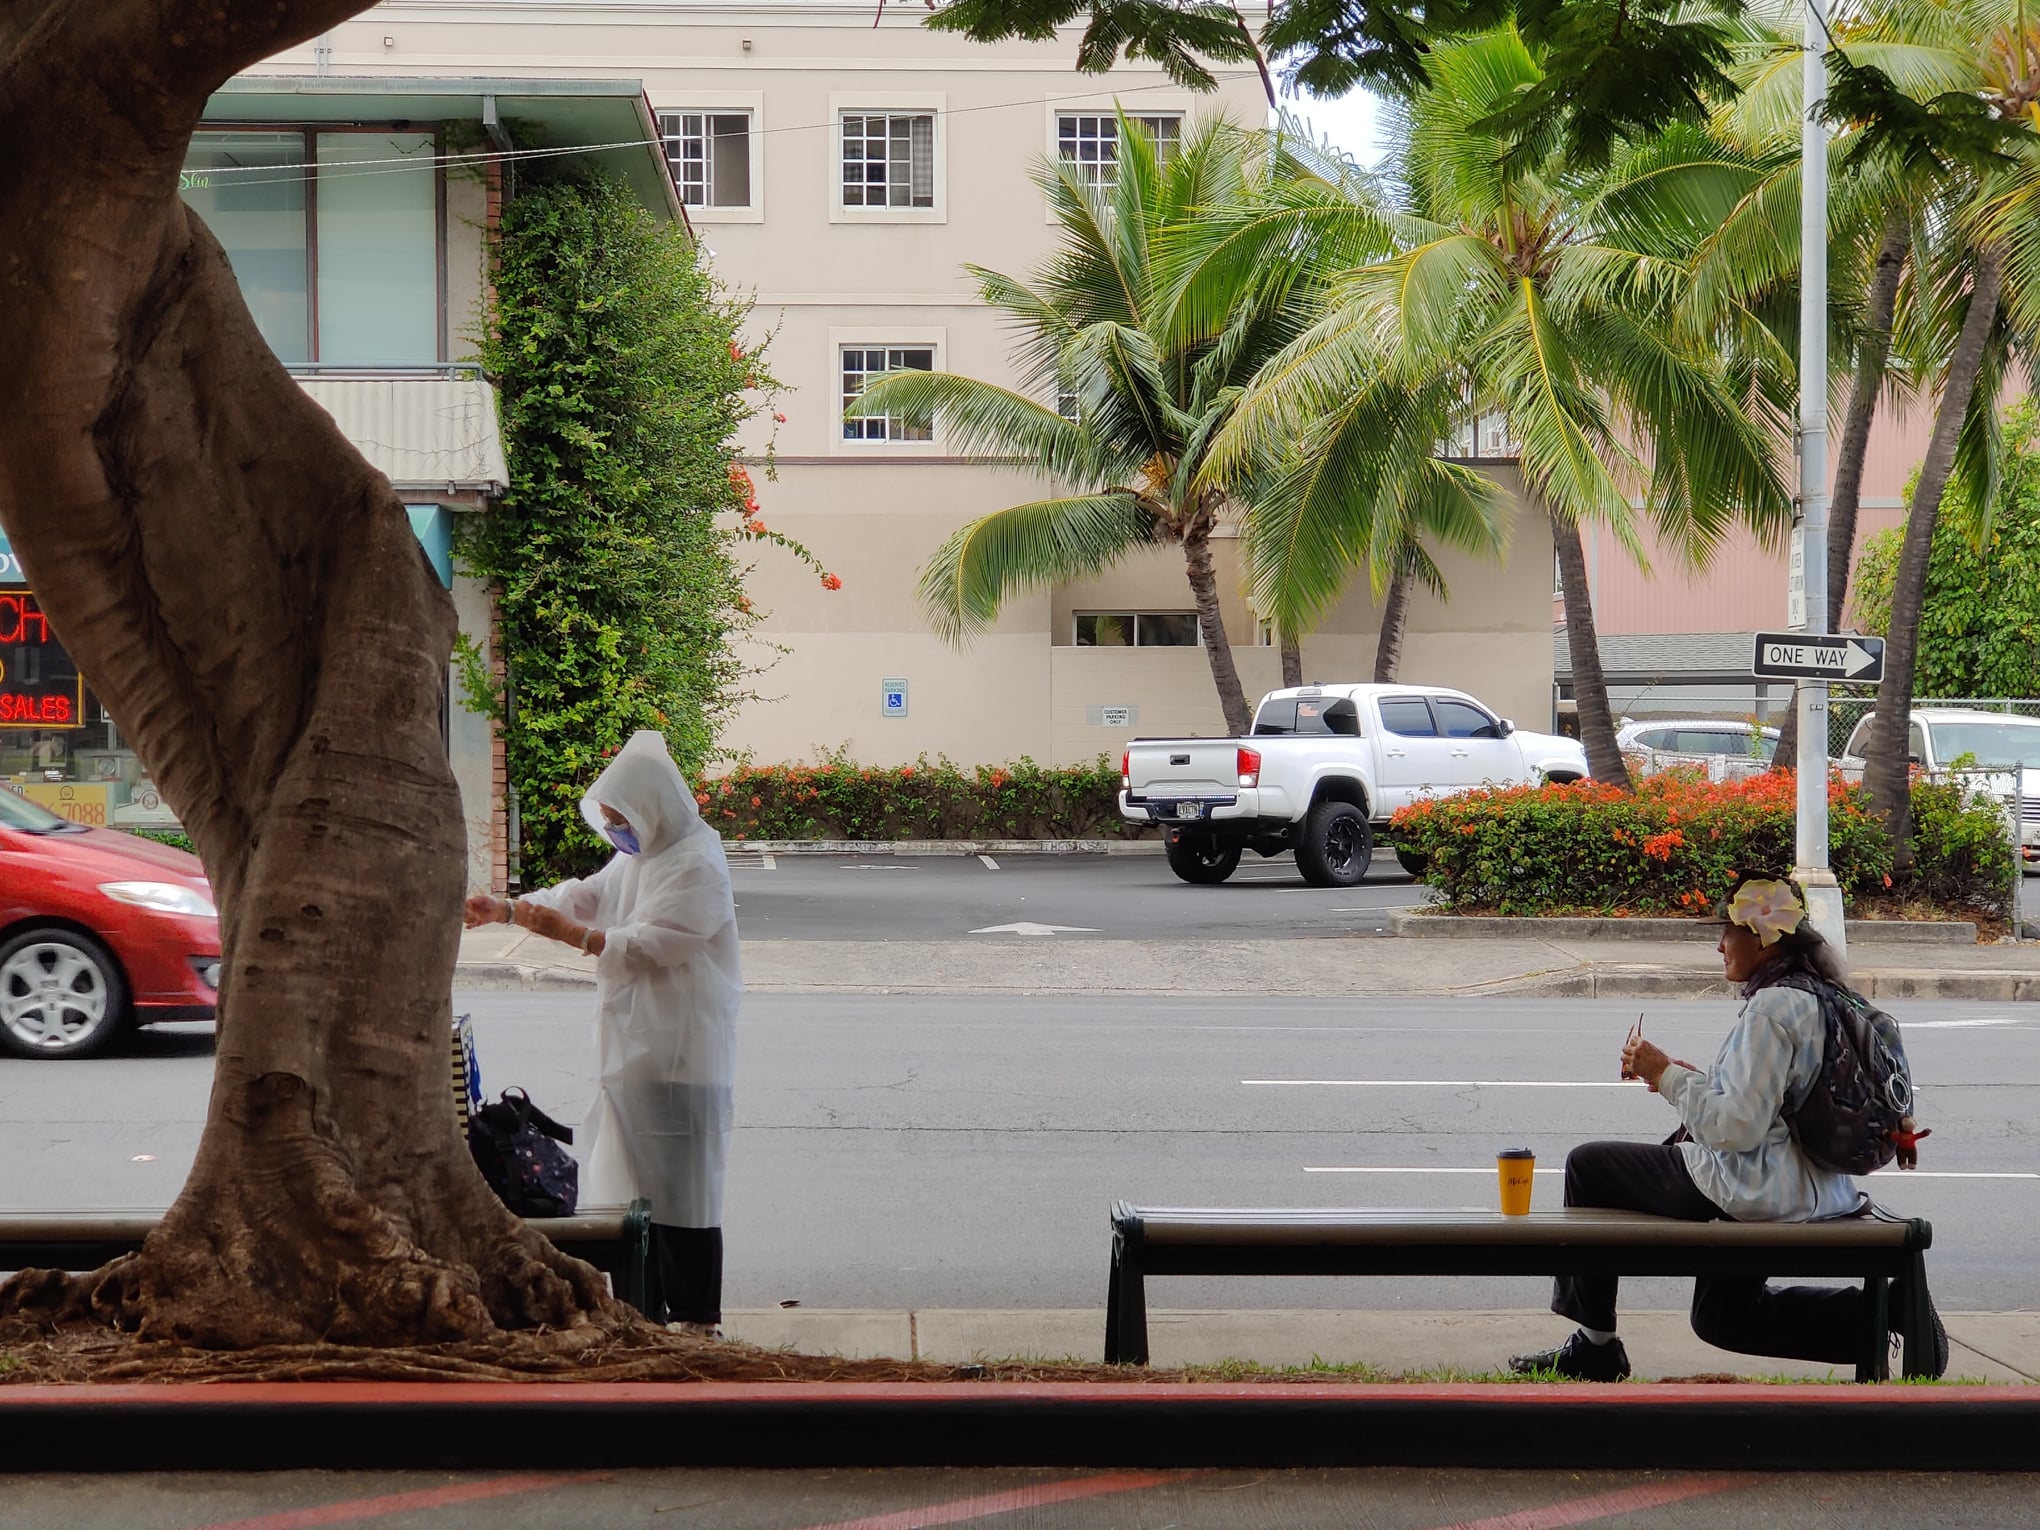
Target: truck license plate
(1189, 810)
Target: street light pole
(1810, 539)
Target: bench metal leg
(638, 1283)
(1875, 1364)
(1126, 1334)
(1916, 1321)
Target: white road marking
(1025, 928)
(770, 862)
(1962, 1025)
(1883, 1173)
(990, 864)
(1440, 1083)
(878, 868)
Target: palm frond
(1028, 546)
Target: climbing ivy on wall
(1980, 620)
(622, 385)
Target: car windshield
(19, 813)
(1991, 743)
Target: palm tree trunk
(1395, 621)
(1292, 659)
(1225, 674)
(1885, 774)
(1590, 688)
(1871, 357)
(285, 697)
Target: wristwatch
(510, 911)
(587, 934)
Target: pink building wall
(1742, 589)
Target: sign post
(1810, 851)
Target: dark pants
(1749, 1316)
(689, 1267)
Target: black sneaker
(1898, 1295)
(1579, 1358)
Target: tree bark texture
(247, 597)
(1225, 674)
(1395, 621)
(1873, 352)
(1292, 659)
(1590, 688)
(1886, 773)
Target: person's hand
(1641, 1059)
(540, 920)
(482, 909)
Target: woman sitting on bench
(1733, 1158)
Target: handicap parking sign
(893, 698)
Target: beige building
(843, 163)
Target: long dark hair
(1795, 957)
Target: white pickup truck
(1324, 769)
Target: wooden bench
(1875, 1249)
(617, 1240)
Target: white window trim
(1148, 103)
(1134, 612)
(751, 101)
(841, 102)
(935, 338)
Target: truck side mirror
(1507, 726)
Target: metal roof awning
(430, 435)
(609, 120)
(1663, 658)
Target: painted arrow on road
(1033, 929)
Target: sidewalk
(502, 956)
(1998, 1347)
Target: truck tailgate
(1191, 768)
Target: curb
(1591, 982)
(1894, 932)
(945, 846)
(451, 1426)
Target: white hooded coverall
(668, 984)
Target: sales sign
(1795, 656)
(39, 685)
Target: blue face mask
(624, 838)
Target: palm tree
(1521, 282)
(1149, 366)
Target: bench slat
(1391, 1228)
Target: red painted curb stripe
(1578, 1511)
(1036, 1497)
(400, 1503)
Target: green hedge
(839, 799)
(1678, 843)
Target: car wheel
(61, 994)
(1337, 844)
(1202, 862)
(1410, 861)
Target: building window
(1090, 141)
(710, 153)
(1136, 629)
(1069, 403)
(889, 159)
(861, 366)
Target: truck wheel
(1200, 861)
(1337, 844)
(1410, 861)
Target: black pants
(688, 1264)
(1748, 1316)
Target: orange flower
(831, 582)
(757, 802)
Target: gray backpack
(1861, 1101)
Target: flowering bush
(840, 799)
(1677, 844)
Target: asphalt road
(558, 1497)
(948, 1152)
(944, 897)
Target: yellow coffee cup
(1515, 1168)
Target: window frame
(1490, 731)
(1383, 703)
(1135, 615)
(933, 339)
(844, 104)
(722, 103)
(1081, 114)
(1180, 104)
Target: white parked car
(1999, 742)
(1324, 768)
(1698, 737)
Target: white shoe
(696, 1330)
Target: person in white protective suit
(661, 922)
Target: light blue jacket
(1742, 1155)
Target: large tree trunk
(1590, 688)
(1885, 771)
(1395, 621)
(1872, 354)
(1225, 675)
(1292, 659)
(247, 597)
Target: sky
(1353, 122)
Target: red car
(98, 930)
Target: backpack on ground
(518, 1148)
(1859, 1109)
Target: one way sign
(1795, 656)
